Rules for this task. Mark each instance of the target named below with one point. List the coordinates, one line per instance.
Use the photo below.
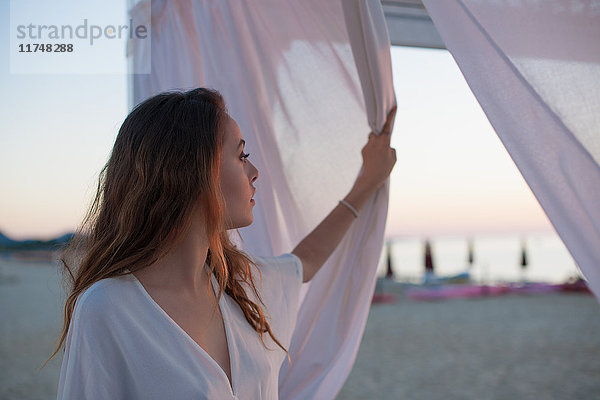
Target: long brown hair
(165, 158)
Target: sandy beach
(508, 347)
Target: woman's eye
(245, 156)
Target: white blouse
(122, 345)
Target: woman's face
(237, 177)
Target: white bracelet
(344, 202)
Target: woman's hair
(165, 159)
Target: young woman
(162, 305)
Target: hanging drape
(306, 81)
(534, 66)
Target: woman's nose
(254, 173)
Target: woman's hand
(378, 157)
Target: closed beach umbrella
(389, 273)
(428, 258)
(471, 253)
(524, 257)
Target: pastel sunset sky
(453, 176)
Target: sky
(453, 175)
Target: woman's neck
(182, 269)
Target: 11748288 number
(46, 48)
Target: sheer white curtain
(534, 67)
(306, 81)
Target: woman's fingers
(386, 131)
(389, 121)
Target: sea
(497, 258)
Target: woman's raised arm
(378, 160)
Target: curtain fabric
(534, 66)
(306, 82)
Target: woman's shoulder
(279, 283)
(286, 264)
(105, 294)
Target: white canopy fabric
(306, 82)
(534, 67)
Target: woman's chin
(242, 224)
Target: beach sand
(508, 347)
(30, 294)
